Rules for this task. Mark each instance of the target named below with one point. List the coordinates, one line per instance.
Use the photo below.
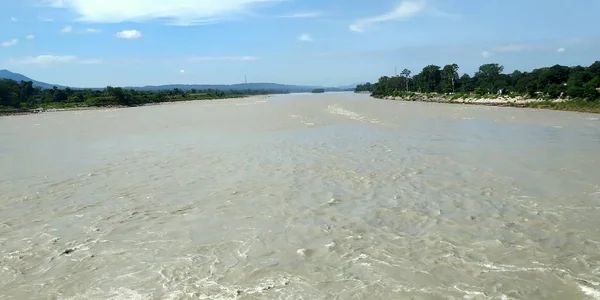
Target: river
(308, 196)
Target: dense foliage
(23, 95)
(316, 91)
(553, 82)
(367, 87)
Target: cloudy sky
(94, 43)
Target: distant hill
(6, 74)
(240, 86)
(349, 87)
(227, 87)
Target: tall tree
(431, 77)
(406, 74)
(488, 74)
(450, 76)
(466, 83)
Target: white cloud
(91, 61)
(223, 58)
(513, 48)
(129, 34)
(182, 71)
(9, 43)
(13, 19)
(406, 9)
(48, 59)
(517, 48)
(30, 36)
(181, 12)
(304, 15)
(70, 29)
(305, 37)
(67, 29)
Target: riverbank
(18, 112)
(505, 101)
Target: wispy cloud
(13, 19)
(67, 29)
(129, 34)
(303, 15)
(48, 59)
(486, 54)
(404, 10)
(91, 61)
(70, 29)
(560, 50)
(30, 36)
(522, 47)
(513, 48)
(179, 12)
(9, 43)
(181, 71)
(223, 58)
(305, 37)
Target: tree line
(554, 82)
(23, 95)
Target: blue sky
(94, 43)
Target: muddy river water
(329, 196)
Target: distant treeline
(23, 95)
(552, 82)
(318, 91)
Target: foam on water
(336, 196)
(339, 110)
(594, 293)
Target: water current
(328, 196)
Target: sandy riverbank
(46, 110)
(500, 101)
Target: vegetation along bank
(22, 97)
(557, 87)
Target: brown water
(334, 196)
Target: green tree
(594, 69)
(430, 78)
(9, 96)
(488, 76)
(363, 87)
(467, 84)
(450, 77)
(406, 74)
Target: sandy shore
(500, 101)
(46, 110)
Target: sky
(96, 43)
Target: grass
(578, 105)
